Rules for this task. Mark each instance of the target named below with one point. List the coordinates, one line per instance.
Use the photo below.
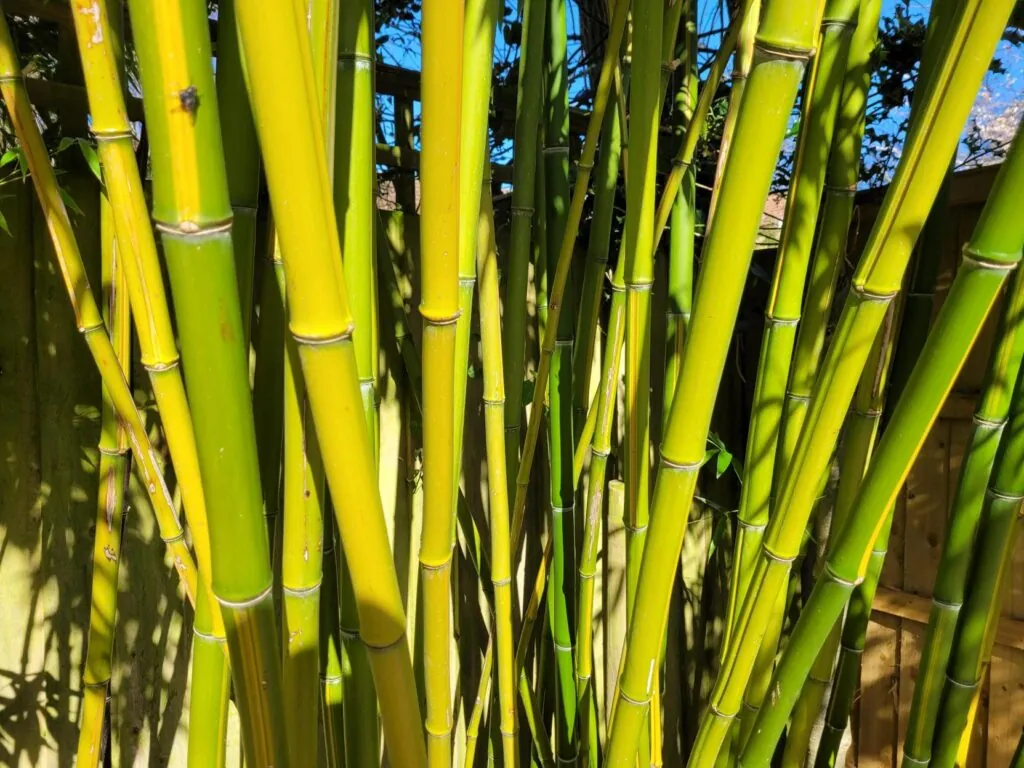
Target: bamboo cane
(192, 210)
(439, 306)
(859, 442)
(785, 40)
(876, 283)
(113, 476)
(98, 51)
(951, 583)
(782, 314)
(87, 313)
(684, 155)
(644, 121)
(683, 218)
(993, 252)
(497, 483)
(747, 21)
(524, 148)
(242, 161)
(332, 694)
(320, 320)
(561, 593)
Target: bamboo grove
(271, 307)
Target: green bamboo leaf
(3, 225)
(723, 462)
(89, 153)
(69, 201)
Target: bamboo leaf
(89, 153)
(69, 201)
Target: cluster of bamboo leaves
(315, 650)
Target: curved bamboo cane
(785, 40)
(192, 209)
(992, 253)
(109, 124)
(87, 313)
(876, 283)
(282, 89)
(110, 508)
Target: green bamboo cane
(442, 78)
(785, 40)
(875, 284)
(998, 530)
(242, 161)
(644, 121)
(559, 406)
(683, 219)
(684, 155)
(594, 273)
(332, 693)
(99, 51)
(552, 305)
(113, 475)
(87, 314)
(859, 442)
(524, 149)
(951, 582)
(283, 95)
(782, 314)
(866, 418)
(992, 253)
(497, 483)
(837, 212)
(747, 21)
(193, 213)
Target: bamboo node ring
(173, 539)
(777, 558)
(523, 210)
(12, 78)
(467, 281)
(302, 591)
(995, 260)
(321, 341)
(678, 162)
(773, 51)
(557, 149)
(843, 190)
(719, 713)
(493, 401)
(330, 678)
(995, 493)
(617, 288)
(751, 526)
(865, 294)
(243, 604)
(386, 646)
(958, 684)
(681, 466)
(790, 395)
(750, 707)
(783, 321)
(604, 453)
(586, 576)
(563, 342)
(580, 165)
(946, 604)
(433, 319)
(170, 365)
(850, 649)
(870, 413)
(635, 528)
(356, 60)
(207, 635)
(115, 452)
(563, 648)
(981, 421)
(841, 579)
(915, 761)
(112, 135)
(561, 510)
(501, 582)
(630, 700)
(640, 287)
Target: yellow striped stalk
(497, 482)
(113, 476)
(87, 313)
(784, 41)
(285, 105)
(97, 48)
(439, 306)
(876, 283)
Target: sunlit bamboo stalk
(320, 320)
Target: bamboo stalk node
(246, 603)
(173, 539)
(866, 294)
(772, 320)
(557, 149)
(777, 557)
(494, 401)
(302, 591)
(207, 636)
(994, 493)
(161, 367)
(994, 260)
(383, 648)
(783, 52)
(751, 526)
(190, 230)
(716, 712)
(871, 413)
(965, 686)
(585, 166)
(439, 319)
(320, 341)
(523, 210)
(842, 190)
(112, 135)
(679, 466)
(831, 574)
(358, 60)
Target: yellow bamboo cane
(285, 104)
(87, 313)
